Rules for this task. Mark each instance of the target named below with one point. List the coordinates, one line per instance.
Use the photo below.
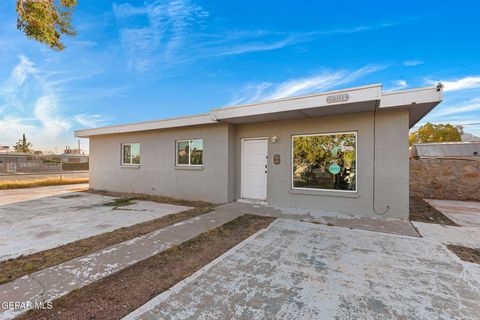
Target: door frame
(242, 155)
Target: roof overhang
(418, 102)
(148, 125)
(360, 99)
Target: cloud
(470, 82)
(12, 127)
(30, 103)
(168, 23)
(412, 63)
(472, 105)
(398, 85)
(90, 120)
(300, 86)
(18, 76)
(171, 32)
(47, 112)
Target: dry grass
(17, 184)
(146, 197)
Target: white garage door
(254, 169)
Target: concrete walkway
(25, 194)
(464, 213)
(394, 226)
(53, 282)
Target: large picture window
(130, 154)
(325, 161)
(190, 152)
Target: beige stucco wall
(157, 173)
(391, 163)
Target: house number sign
(276, 159)
(338, 98)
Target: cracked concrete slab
(53, 282)
(41, 224)
(385, 225)
(463, 213)
(297, 270)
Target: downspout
(382, 213)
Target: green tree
(46, 21)
(23, 145)
(436, 133)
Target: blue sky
(144, 60)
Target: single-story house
(343, 151)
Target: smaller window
(190, 152)
(130, 154)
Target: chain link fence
(19, 166)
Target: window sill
(188, 167)
(324, 193)
(130, 166)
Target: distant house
(445, 150)
(74, 158)
(12, 161)
(344, 151)
(468, 137)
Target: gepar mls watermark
(26, 305)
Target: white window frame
(325, 134)
(131, 156)
(189, 153)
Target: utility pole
(61, 167)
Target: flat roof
(369, 98)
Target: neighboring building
(74, 158)
(468, 137)
(445, 150)
(344, 151)
(12, 161)
(4, 149)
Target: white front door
(254, 169)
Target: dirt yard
(466, 254)
(422, 211)
(17, 267)
(119, 294)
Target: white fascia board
(407, 98)
(359, 94)
(147, 125)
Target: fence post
(61, 168)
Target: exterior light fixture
(274, 139)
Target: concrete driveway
(51, 221)
(298, 270)
(18, 195)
